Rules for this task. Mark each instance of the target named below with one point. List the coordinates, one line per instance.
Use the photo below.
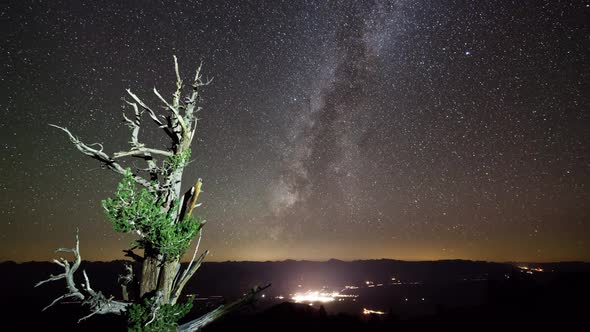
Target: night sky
(333, 129)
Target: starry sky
(333, 129)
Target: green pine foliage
(177, 161)
(143, 318)
(132, 210)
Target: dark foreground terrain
(460, 296)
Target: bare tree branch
(98, 303)
(189, 199)
(125, 280)
(155, 308)
(102, 157)
(176, 100)
(186, 277)
(181, 277)
(191, 108)
(194, 253)
(141, 151)
(145, 107)
(135, 125)
(177, 115)
(206, 319)
(153, 115)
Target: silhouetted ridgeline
(229, 278)
(500, 296)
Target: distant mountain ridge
(233, 277)
(491, 287)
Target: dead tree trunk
(150, 272)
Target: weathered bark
(99, 304)
(189, 200)
(150, 272)
(167, 274)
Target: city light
(313, 296)
(369, 312)
(323, 297)
(530, 270)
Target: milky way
(332, 129)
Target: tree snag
(152, 208)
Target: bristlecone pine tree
(153, 209)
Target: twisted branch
(139, 149)
(177, 115)
(107, 161)
(125, 280)
(98, 303)
(191, 103)
(206, 319)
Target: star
(329, 128)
